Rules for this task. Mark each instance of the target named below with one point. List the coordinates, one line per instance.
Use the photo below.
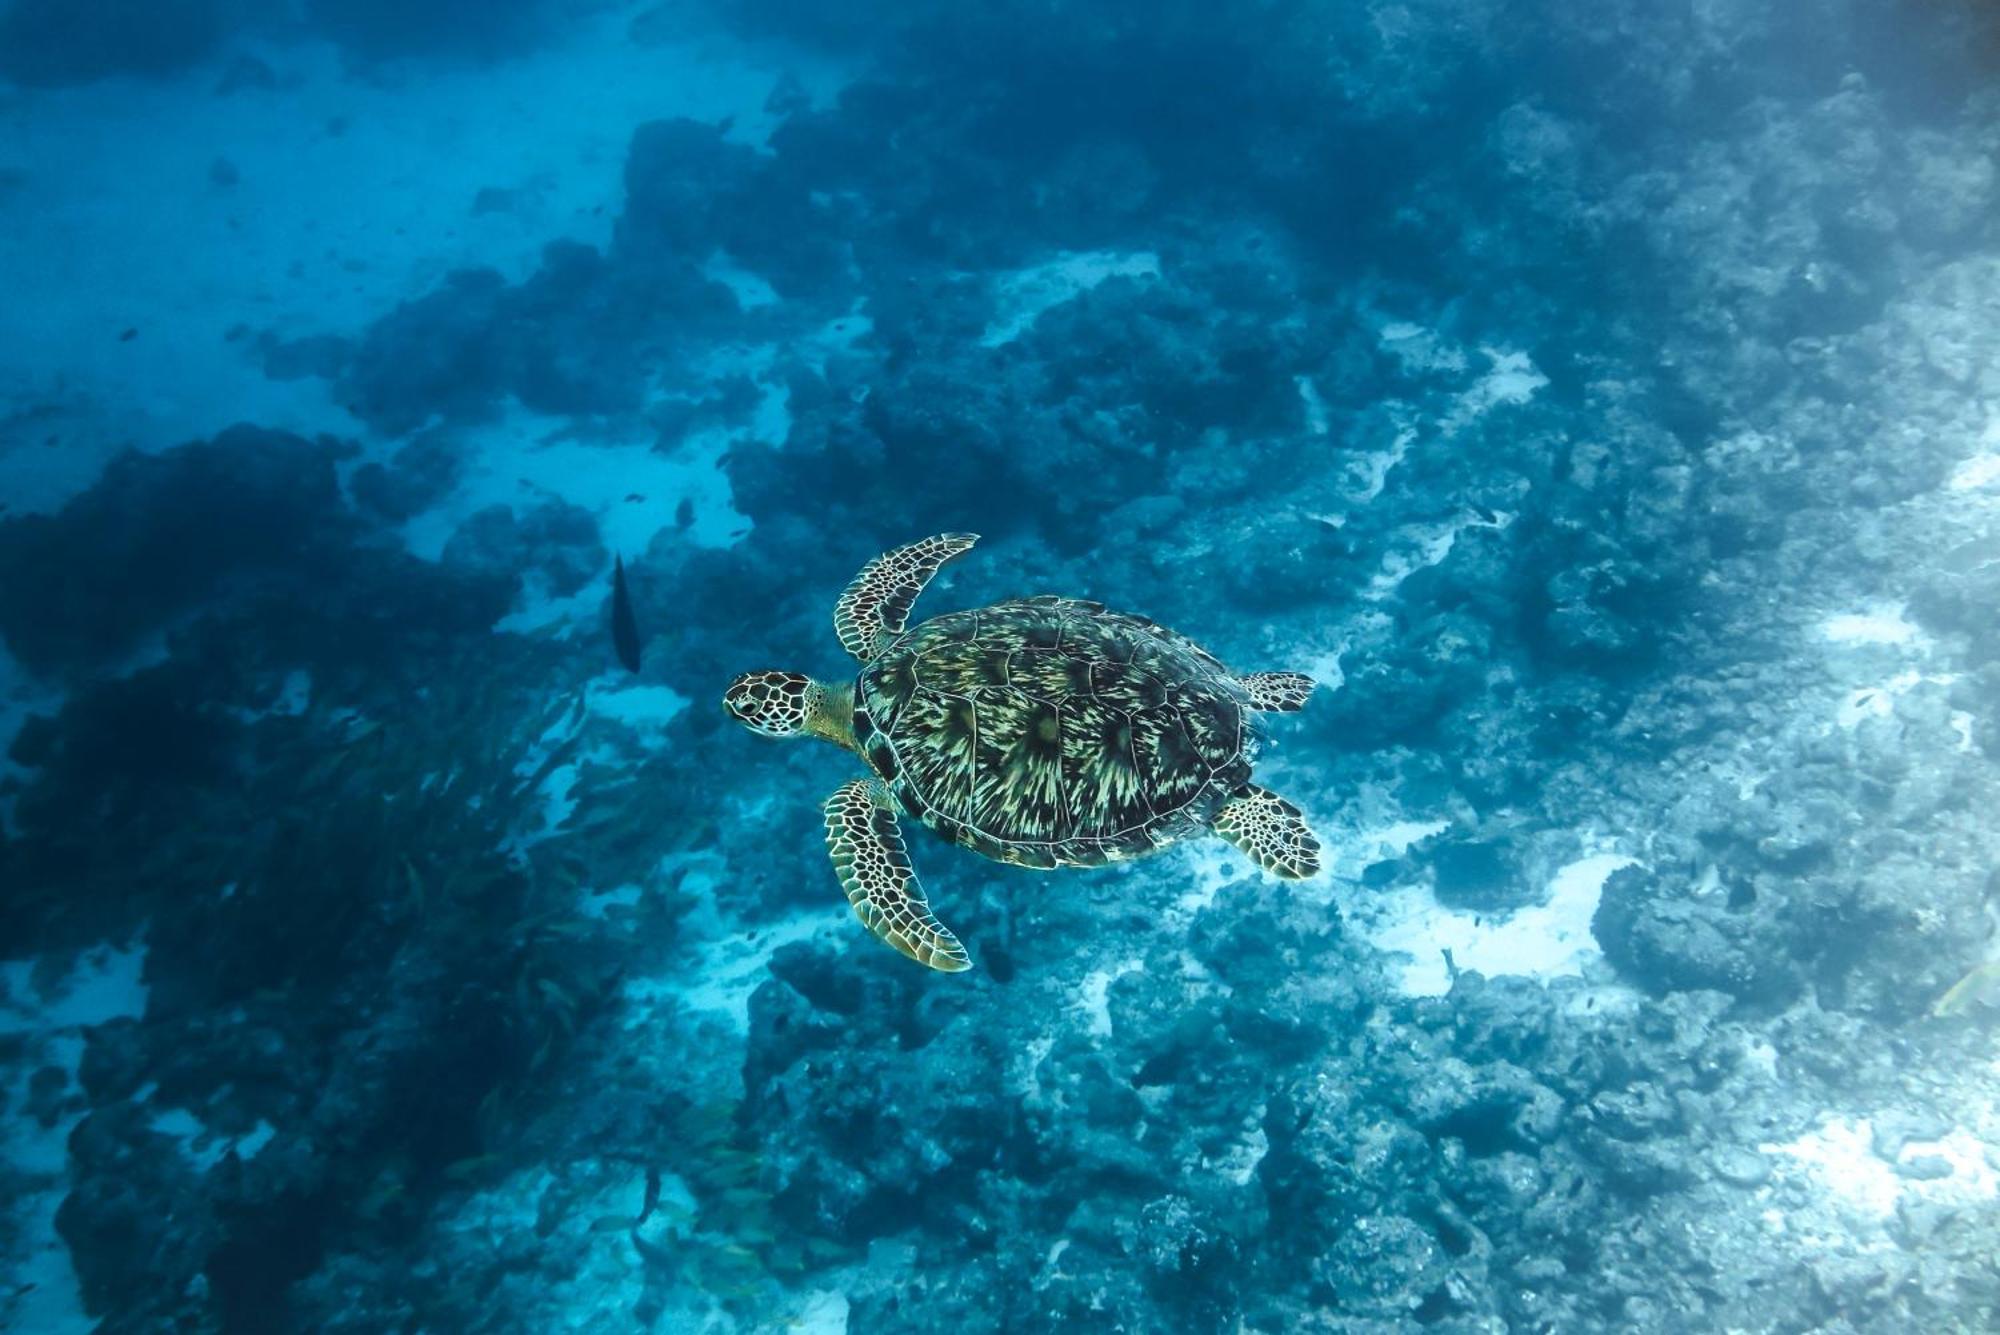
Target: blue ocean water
(1600, 403)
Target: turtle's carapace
(1040, 732)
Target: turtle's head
(789, 704)
(776, 704)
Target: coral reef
(1599, 406)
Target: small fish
(553, 993)
(824, 1250)
(624, 629)
(477, 1165)
(386, 1190)
(416, 884)
(1981, 987)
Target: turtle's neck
(830, 713)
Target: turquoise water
(1599, 403)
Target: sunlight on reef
(1883, 625)
(1027, 293)
(1867, 1176)
(532, 456)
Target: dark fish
(624, 630)
(652, 1194)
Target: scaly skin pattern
(1278, 692)
(877, 604)
(874, 868)
(1271, 831)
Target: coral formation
(1599, 405)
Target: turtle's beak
(732, 702)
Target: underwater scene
(1230, 667)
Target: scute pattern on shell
(1052, 732)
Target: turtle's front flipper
(1278, 692)
(874, 868)
(1271, 831)
(874, 608)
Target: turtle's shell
(1051, 732)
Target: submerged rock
(1670, 943)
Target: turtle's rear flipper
(876, 605)
(1278, 692)
(1271, 831)
(874, 868)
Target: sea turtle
(1042, 732)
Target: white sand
(1838, 1158)
(1543, 942)
(1883, 623)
